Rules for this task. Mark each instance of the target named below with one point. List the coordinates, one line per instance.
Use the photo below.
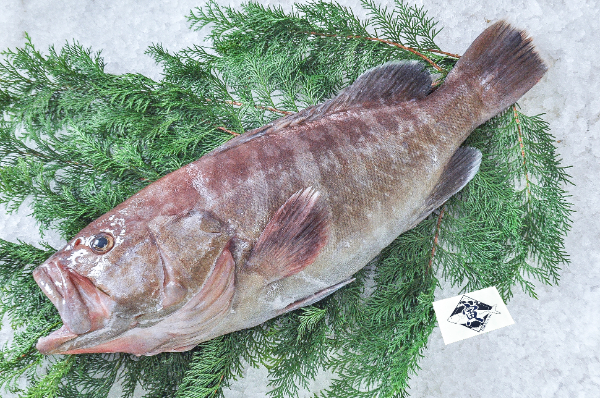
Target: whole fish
(284, 215)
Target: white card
(471, 314)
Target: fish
(284, 215)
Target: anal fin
(293, 237)
(461, 169)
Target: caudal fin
(502, 64)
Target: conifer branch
(438, 51)
(43, 157)
(520, 134)
(268, 108)
(436, 237)
(389, 42)
(237, 103)
(228, 131)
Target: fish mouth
(83, 307)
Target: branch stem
(522, 146)
(435, 50)
(436, 237)
(218, 386)
(227, 131)
(389, 42)
(268, 108)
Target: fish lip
(83, 307)
(45, 282)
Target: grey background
(552, 350)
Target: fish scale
(284, 215)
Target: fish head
(122, 274)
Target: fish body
(282, 216)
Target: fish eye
(102, 243)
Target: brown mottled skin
(374, 166)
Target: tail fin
(502, 63)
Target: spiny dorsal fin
(388, 84)
(385, 85)
(461, 169)
(293, 238)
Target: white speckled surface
(552, 350)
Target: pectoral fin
(293, 238)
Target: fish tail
(501, 65)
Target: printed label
(470, 314)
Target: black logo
(472, 313)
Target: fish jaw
(83, 308)
(106, 328)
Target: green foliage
(28, 309)
(514, 213)
(78, 141)
(407, 25)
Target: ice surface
(552, 350)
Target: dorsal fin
(388, 84)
